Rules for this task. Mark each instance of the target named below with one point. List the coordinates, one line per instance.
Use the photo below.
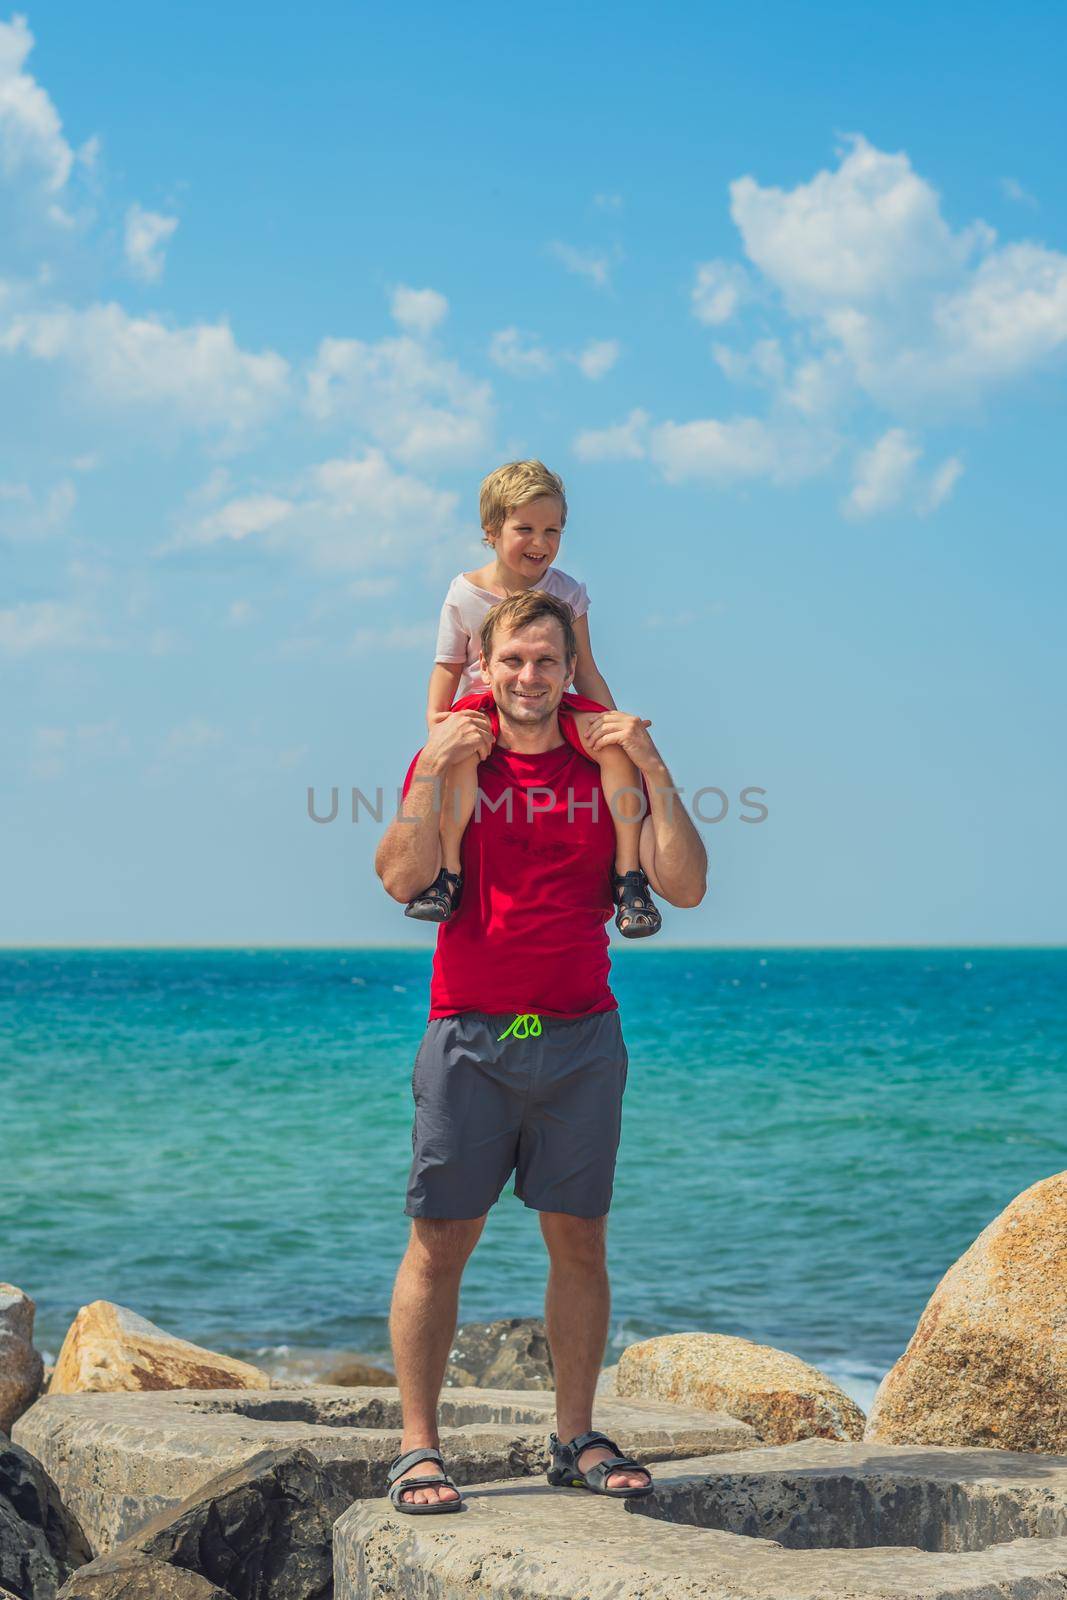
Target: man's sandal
(564, 1471)
(637, 916)
(398, 1486)
(437, 903)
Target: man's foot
(429, 1494)
(615, 1480)
(580, 1464)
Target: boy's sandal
(565, 1473)
(399, 1486)
(637, 916)
(437, 903)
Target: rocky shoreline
(142, 1464)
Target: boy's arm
(587, 675)
(444, 680)
(409, 852)
(672, 852)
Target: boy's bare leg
(577, 1307)
(422, 1325)
(617, 775)
(458, 793)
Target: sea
(220, 1140)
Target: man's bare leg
(577, 1307)
(422, 1325)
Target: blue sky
(781, 293)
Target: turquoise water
(220, 1139)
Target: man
(522, 1065)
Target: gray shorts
(547, 1106)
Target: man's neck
(527, 740)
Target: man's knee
(579, 1241)
(439, 1245)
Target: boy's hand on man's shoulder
(630, 732)
(456, 737)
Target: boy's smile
(528, 542)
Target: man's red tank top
(529, 934)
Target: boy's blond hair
(516, 483)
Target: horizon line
(616, 949)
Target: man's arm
(409, 854)
(672, 853)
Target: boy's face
(529, 539)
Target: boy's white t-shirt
(462, 615)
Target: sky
(781, 292)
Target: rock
(354, 1373)
(605, 1384)
(121, 1459)
(109, 1347)
(510, 1354)
(21, 1367)
(987, 1364)
(137, 1577)
(40, 1542)
(262, 1531)
(779, 1395)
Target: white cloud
(855, 237)
(239, 612)
(25, 515)
(883, 474)
(626, 441)
(348, 514)
(401, 637)
(519, 354)
(418, 405)
(418, 311)
(240, 519)
(1012, 189)
(763, 363)
(892, 302)
(36, 625)
(608, 202)
(598, 358)
(941, 484)
(53, 749)
(198, 374)
(31, 133)
(737, 449)
(584, 263)
(719, 290)
(147, 233)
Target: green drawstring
(527, 1025)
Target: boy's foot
(437, 903)
(637, 916)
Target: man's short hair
(516, 483)
(519, 610)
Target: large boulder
(21, 1366)
(137, 1577)
(352, 1372)
(262, 1531)
(987, 1364)
(40, 1542)
(109, 1347)
(510, 1354)
(776, 1393)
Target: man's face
(529, 671)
